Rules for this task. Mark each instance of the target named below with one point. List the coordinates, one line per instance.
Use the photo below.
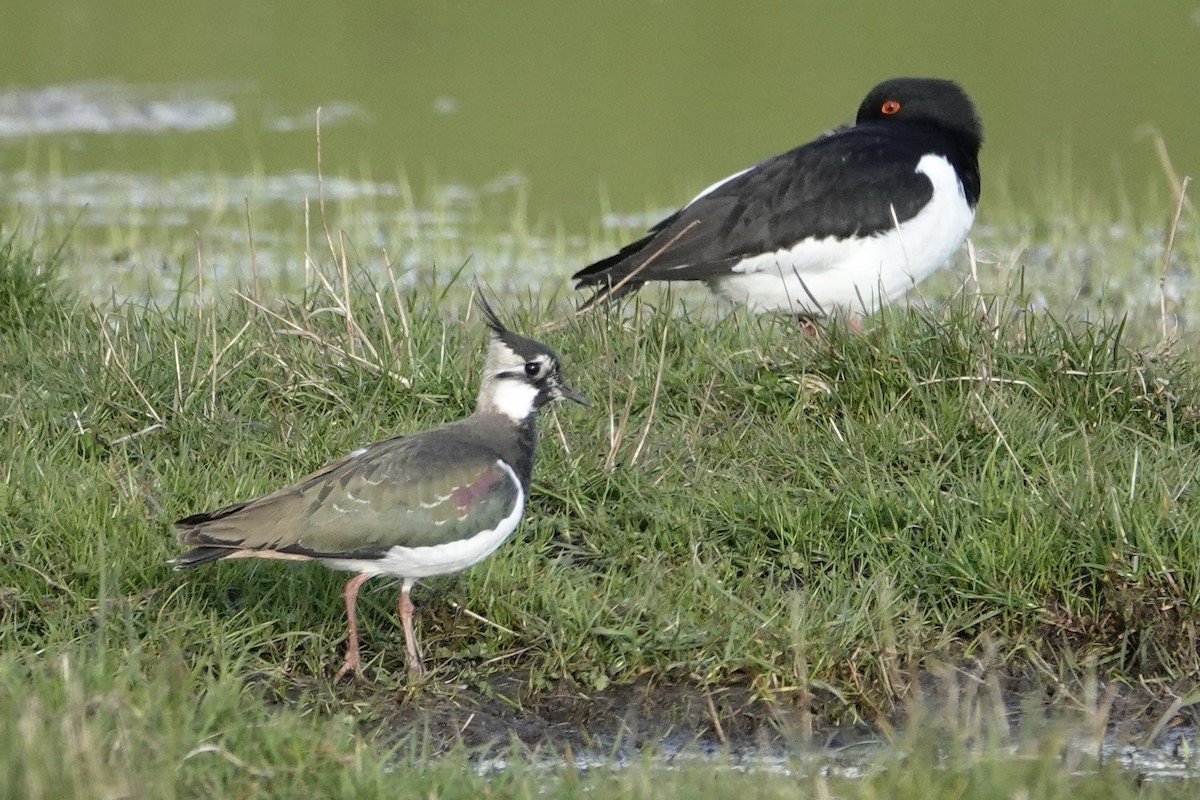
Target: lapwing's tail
(211, 548)
(200, 555)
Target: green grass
(822, 520)
(156, 729)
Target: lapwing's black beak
(567, 393)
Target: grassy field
(804, 535)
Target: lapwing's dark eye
(532, 368)
(890, 106)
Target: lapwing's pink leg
(350, 593)
(405, 607)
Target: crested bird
(411, 506)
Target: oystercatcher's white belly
(818, 277)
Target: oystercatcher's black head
(930, 101)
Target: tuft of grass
(28, 284)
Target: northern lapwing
(842, 224)
(409, 506)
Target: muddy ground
(650, 716)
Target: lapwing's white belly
(424, 562)
(856, 276)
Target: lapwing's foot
(807, 326)
(350, 666)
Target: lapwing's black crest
(522, 346)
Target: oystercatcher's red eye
(890, 106)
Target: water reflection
(114, 108)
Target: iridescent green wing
(409, 492)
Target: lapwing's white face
(518, 382)
(510, 380)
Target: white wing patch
(718, 185)
(857, 276)
(439, 559)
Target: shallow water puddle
(1177, 760)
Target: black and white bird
(842, 224)
(409, 506)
